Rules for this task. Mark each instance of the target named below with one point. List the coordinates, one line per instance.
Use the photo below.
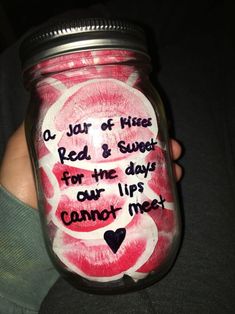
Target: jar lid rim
(68, 35)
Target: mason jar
(98, 141)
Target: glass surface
(97, 135)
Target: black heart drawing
(115, 238)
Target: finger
(16, 146)
(15, 171)
(176, 149)
(178, 171)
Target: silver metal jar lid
(67, 36)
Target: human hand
(16, 172)
(176, 151)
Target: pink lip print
(159, 255)
(165, 221)
(83, 60)
(48, 95)
(68, 176)
(95, 259)
(47, 186)
(47, 207)
(159, 180)
(83, 74)
(111, 99)
(88, 215)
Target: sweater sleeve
(26, 272)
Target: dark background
(197, 74)
(16, 17)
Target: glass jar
(98, 141)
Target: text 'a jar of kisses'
(98, 141)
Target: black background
(16, 17)
(197, 76)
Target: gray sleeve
(26, 272)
